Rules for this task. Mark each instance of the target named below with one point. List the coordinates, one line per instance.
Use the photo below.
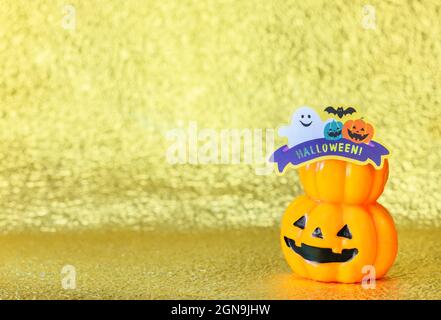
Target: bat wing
(331, 110)
(349, 110)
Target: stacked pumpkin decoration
(337, 228)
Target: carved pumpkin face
(358, 131)
(333, 242)
(342, 181)
(333, 130)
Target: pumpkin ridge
(372, 186)
(344, 183)
(316, 169)
(380, 212)
(379, 183)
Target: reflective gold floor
(245, 264)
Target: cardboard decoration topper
(309, 139)
(336, 232)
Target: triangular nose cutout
(317, 233)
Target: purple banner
(318, 148)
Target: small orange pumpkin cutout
(358, 131)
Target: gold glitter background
(84, 115)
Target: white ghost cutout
(305, 125)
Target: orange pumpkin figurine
(343, 182)
(338, 229)
(358, 131)
(338, 232)
(333, 242)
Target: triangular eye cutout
(344, 232)
(301, 222)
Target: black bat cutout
(340, 111)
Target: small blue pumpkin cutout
(333, 130)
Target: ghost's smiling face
(305, 125)
(306, 118)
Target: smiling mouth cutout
(334, 134)
(320, 255)
(305, 124)
(356, 136)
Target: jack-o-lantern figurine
(338, 228)
(338, 232)
(334, 242)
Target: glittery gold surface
(242, 264)
(84, 115)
